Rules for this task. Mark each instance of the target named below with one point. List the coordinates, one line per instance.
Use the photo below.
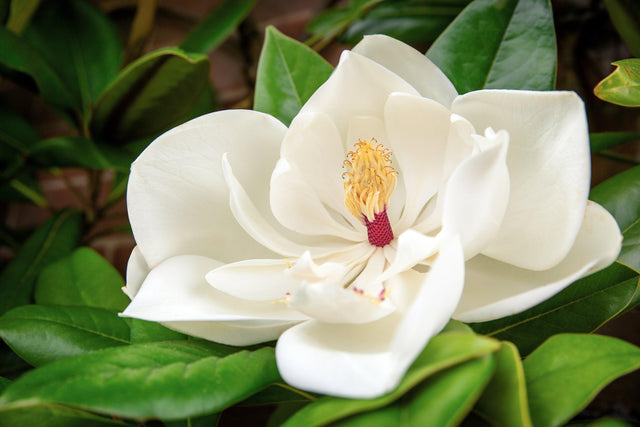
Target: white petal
(358, 86)
(413, 248)
(297, 207)
(177, 198)
(137, 271)
(370, 280)
(176, 291)
(418, 130)
(494, 289)
(368, 360)
(476, 197)
(409, 64)
(548, 163)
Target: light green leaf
(622, 86)
(288, 74)
(582, 307)
(76, 151)
(80, 43)
(504, 401)
(566, 372)
(443, 351)
(20, 13)
(50, 415)
(143, 331)
(150, 95)
(53, 240)
(625, 15)
(166, 380)
(507, 44)
(216, 27)
(442, 400)
(43, 334)
(82, 278)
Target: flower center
(368, 186)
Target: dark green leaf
(53, 240)
(16, 134)
(82, 278)
(288, 74)
(43, 334)
(80, 43)
(11, 366)
(334, 22)
(625, 15)
(278, 393)
(20, 14)
(203, 421)
(143, 331)
(620, 195)
(630, 253)
(76, 151)
(166, 380)
(50, 415)
(4, 382)
(605, 140)
(507, 44)
(216, 27)
(150, 95)
(442, 400)
(582, 307)
(504, 401)
(24, 187)
(443, 351)
(568, 370)
(622, 86)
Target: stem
(76, 193)
(140, 28)
(30, 194)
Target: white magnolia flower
(346, 234)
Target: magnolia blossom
(390, 205)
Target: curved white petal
(477, 195)
(358, 86)
(418, 130)
(364, 361)
(413, 247)
(137, 271)
(548, 163)
(177, 199)
(315, 147)
(176, 291)
(296, 205)
(409, 64)
(494, 289)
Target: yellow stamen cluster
(369, 183)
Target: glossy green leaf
(49, 415)
(443, 351)
(18, 55)
(442, 400)
(288, 74)
(20, 13)
(82, 278)
(630, 253)
(582, 307)
(625, 15)
(604, 140)
(150, 95)
(566, 372)
(53, 240)
(508, 44)
(76, 151)
(620, 195)
(216, 27)
(80, 43)
(43, 334)
(622, 86)
(143, 331)
(504, 401)
(166, 380)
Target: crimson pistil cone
(379, 230)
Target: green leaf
(80, 43)
(43, 334)
(76, 151)
(443, 351)
(507, 44)
(602, 422)
(4, 383)
(49, 415)
(630, 253)
(566, 372)
(216, 27)
(620, 195)
(442, 400)
(166, 380)
(504, 401)
(11, 365)
(143, 331)
(204, 421)
(20, 13)
(150, 95)
(82, 278)
(625, 15)
(54, 239)
(622, 86)
(582, 307)
(332, 23)
(288, 74)
(16, 134)
(605, 140)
